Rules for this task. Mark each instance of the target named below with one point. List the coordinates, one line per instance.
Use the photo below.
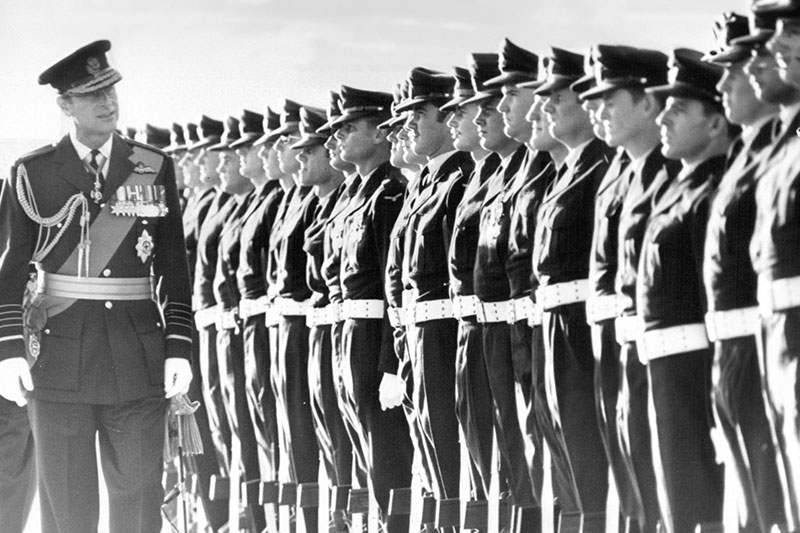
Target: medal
(144, 247)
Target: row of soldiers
(595, 254)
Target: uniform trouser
(690, 482)
(633, 427)
(607, 379)
(205, 465)
(780, 341)
(406, 350)
(212, 397)
(434, 398)
(510, 443)
(389, 449)
(569, 369)
(539, 413)
(230, 359)
(131, 440)
(17, 467)
(474, 404)
(351, 423)
(740, 414)
(337, 453)
(260, 398)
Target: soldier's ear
(65, 104)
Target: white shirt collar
(788, 113)
(436, 163)
(750, 131)
(686, 170)
(575, 153)
(83, 150)
(637, 163)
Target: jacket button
(107, 272)
(47, 331)
(109, 305)
(144, 222)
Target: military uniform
(99, 342)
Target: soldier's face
(514, 105)
(463, 129)
(427, 131)
(541, 139)
(249, 162)
(766, 80)
(209, 161)
(685, 129)
(94, 114)
(335, 154)
(738, 96)
(191, 172)
(286, 156)
(623, 116)
(396, 153)
(315, 167)
(491, 127)
(228, 170)
(565, 114)
(592, 106)
(785, 46)
(358, 140)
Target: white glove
(15, 380)
(177, 376)
(391, 391)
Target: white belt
(333, 313)
(318, 316)
(464, 306)
(206, 317)
(599, 308)
(228, 319)
(362, 309)
(88, 288)
(628, 329)
(672, 341)
(431, 310)
(568, 292)
(248, 307)
(521, 308)
(271, 316)
(289, 307)
(397, 317)
(722, 325)
(491, 312)
(778, 294)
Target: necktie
(96, 165)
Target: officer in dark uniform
(560, 262)
(176, 150)
(744, 438)
(367, 338)
(671, 298)
(103, 356)
(474, 407)
(774, 254)
(628, 115)
(629, 70)
(491, 287)
(326, 182)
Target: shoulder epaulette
(36, 153)
(145, 146)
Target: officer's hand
(391, 391)
(177, 376)
(15, 380)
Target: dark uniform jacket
(208, 251)
(251, 272)
(291, 279)
(273, 248)
(656, 172)
(464, 241)
(315, 247)
(334, 239)
(394, 260)
(430, 226)
(96, 351)
(226, 289)
(566, 218)
(669, 283)
(367, 226)
(193, 216)
(490, 280)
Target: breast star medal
(144, 248)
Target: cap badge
(93, 66)
(672, 75)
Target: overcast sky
(182, 58)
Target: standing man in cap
(628, 117)
(427, 236)
(367, 337)
(561, 264)
(176, 150)
(773, 252)
(104, 357)
(474, 405)
(491, 288)
(743, 436)
(671, 297)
